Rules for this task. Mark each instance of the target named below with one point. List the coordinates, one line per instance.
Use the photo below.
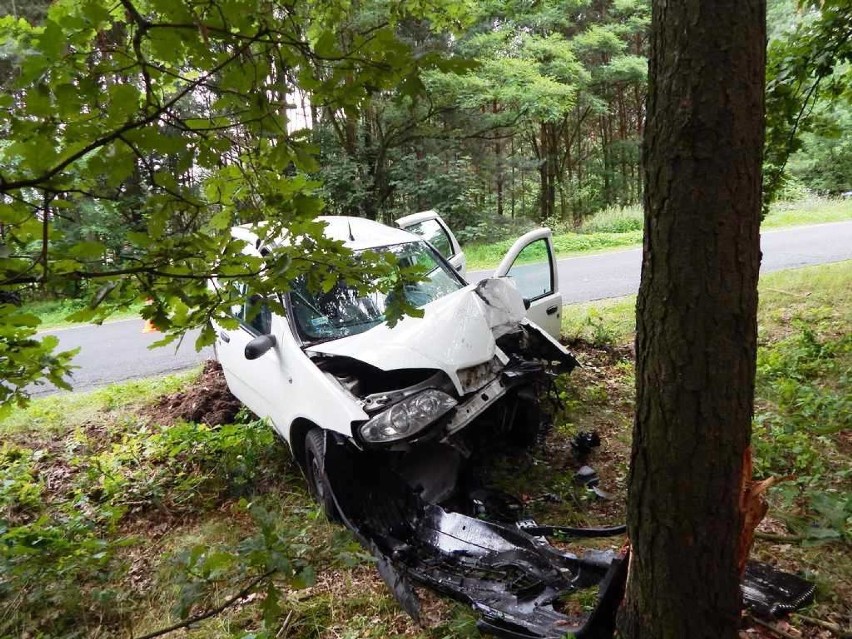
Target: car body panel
(454, 333)
(431, 227)
(284, 385)
(255, 383)
(358, 233)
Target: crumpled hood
(456, 331)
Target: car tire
(315, 474)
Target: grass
(53, 313)
(622, 227)
(133, 520)
(811, 210)
(485, 256)
(818, 294)
(136, 519)
(57, 415)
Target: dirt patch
(206, 401)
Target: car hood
(456, 332)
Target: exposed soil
(205, 401)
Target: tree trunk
(696, 318)
(548, 171)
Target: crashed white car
(480, 354)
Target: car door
(531, 264)
(256, 383)
(433, 229)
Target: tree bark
(696, 318)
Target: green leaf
(124, 100)
(87, 250)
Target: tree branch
(774, 629)
(820, 623)
(45, 238)
(129, 126)
(242, 594)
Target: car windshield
(342, 312)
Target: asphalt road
(616, 273)
(119, 350)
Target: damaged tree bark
(696, 318)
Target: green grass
(602, 323)
(484, 256)
(53, 313)
(622, 227)
(813, 294)
(813, 210)
(134, 520)
(62, 413)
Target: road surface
(119, 350)
(615, 274)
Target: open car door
(430, 226)
(531, 264)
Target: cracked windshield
(342, 311)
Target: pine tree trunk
(696, 318)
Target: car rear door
(433, 229)
(531, 264)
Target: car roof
(356, 233)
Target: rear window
(435, 234)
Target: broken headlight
(408, 417)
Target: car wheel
(314, 471)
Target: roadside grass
(811, 210)
(485, 256)
(616, 228)
(114, 523)
(57, 415)
(53, 313)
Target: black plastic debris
(495, 505)
(506, 571)
(769, 592)
(515, 581)
(583, 443)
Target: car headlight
(407, 417)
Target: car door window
(257, 316)
(532, 271)
(435, 234)
(254, 314)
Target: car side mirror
(527, 304)
(259, 345)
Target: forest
(525, 111)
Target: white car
(480, 353)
